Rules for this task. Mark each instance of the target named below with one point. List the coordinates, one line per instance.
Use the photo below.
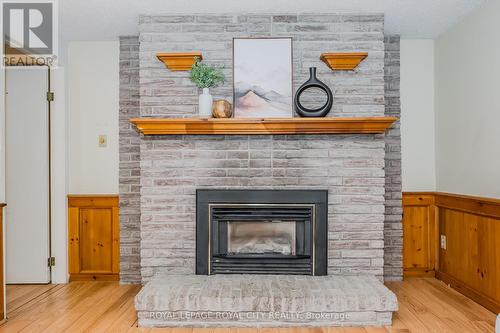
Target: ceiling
(108, 19)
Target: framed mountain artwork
(262, 77)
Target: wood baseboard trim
(476, 296)
(94, 277)
(418, 272)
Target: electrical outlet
(443, 242)
(103, 141)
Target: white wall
(2, 135)
(468, 105)
(93, 92)
(418, 161)
(2, 172)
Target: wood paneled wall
(93, 237)
(470, 259)
(420, 233)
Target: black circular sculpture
(313, 82)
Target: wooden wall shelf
(179, 61)
(343, 61)
(253, 126)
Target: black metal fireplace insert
(261, 232)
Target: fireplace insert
(261, 232)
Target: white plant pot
(205, 104)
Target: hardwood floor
(425, 305)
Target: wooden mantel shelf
(254, 126)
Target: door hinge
(50, 96)
(51, 261)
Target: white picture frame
(262, 77)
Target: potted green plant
(204, 77)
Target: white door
(27, 177)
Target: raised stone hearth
(264, 301)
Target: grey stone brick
(393, 263)
(129, 164)
(285, 18)
(215, 19)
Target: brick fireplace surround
(159, 174)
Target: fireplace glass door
(263, 237)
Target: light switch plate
(103, 141)
(443, 242)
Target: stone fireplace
(161, 174)
(261, 232)
(349, 167)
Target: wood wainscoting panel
(93, 237)
(470, 259)
(419, 234)
(96, 240)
